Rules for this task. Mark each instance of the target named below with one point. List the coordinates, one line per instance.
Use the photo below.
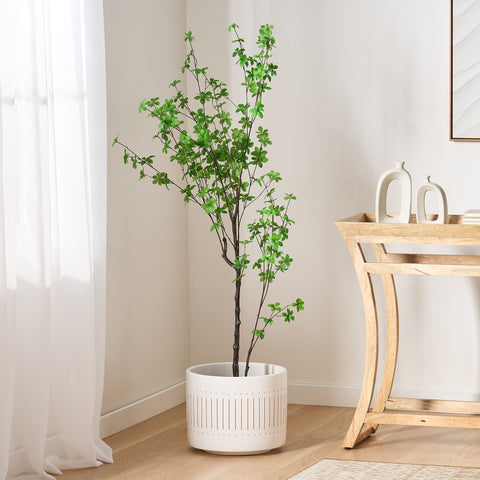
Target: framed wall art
(465, 70)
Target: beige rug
(350, 470)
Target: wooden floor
(157, 449)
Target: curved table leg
(356, 432)
(392, 335)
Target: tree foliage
(222, 152)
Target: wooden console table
(362, 229)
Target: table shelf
(362, 229)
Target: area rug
(351, 470)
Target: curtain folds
(52, 236)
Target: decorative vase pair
(399, 173)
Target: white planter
(236, 415)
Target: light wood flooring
(157, 449)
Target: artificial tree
(221, 157)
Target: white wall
(147, 290)
(360, 86)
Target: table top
(364, 228)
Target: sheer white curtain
(52, 236)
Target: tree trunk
(238, 286)
(236, 335)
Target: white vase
(398, 173)
(236, 415)
(437, 190)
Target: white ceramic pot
(236, 415)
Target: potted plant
(221, 150)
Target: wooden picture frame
(465, 70)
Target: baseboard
(328, 395)
(347, 396)
(141, 410)
(298, 393)
(304, 394)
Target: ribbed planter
(236, 415)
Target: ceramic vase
(398, 173)
(422, 191)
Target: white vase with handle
(437, 190)
(398, 173)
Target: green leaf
(203, 138)
(148, 159)
(187, 191)
(259, 333)
(115, 140)
(263, 136)
(160, 178)
(275, 307)
(258, 72)
(288, 315)
(216, 226)
(268, 321)
(243, 108)
(274, 176)
(298, 304)
(241, 262)
(285, 263)
(268, 275)
(209, 205)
